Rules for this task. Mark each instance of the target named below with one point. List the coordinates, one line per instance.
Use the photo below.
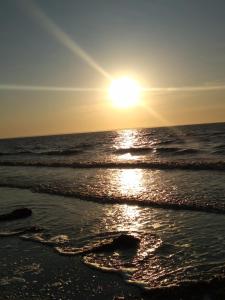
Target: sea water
(165, 186)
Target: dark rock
(16, 214)
(125, 241)
(122, 242)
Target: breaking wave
(136, 151)
(52, 152)
(161, 165)
(158, 150)
(174, 204)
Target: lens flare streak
(15, 87)
(62, 37)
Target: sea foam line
(160, 165)
(103, 199)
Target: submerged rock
(16, 214)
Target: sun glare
(124, 92)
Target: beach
(32, 270)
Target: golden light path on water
(130, 183)
(126, 139)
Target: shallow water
(169, 189)
(175, 245)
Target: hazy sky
(81, 43)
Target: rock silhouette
(16, 214)
(122, 242)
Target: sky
(58, 58)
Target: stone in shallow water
(124, 241)
(16, 214)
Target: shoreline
(54, 276)
(33, 271)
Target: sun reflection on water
(123, 218)
(126, 139)
(130, 182)
(125, 144)
(130, 218)
(131, 212)
(127, 157)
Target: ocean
(165, 186)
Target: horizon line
(108, 130)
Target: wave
(188, 151)
(160, 165)
(20, 231)
(219, 149)
(62, 152)
(172, 141)
(159, 150)
(166, 142)
(167, 149)
(52, 152)
(216, 133)
(22, 152)
(105, 199)
(221, 146)
(46, 239)
(219, 152)
(177, 151)
(133, 150)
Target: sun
(124, 92)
